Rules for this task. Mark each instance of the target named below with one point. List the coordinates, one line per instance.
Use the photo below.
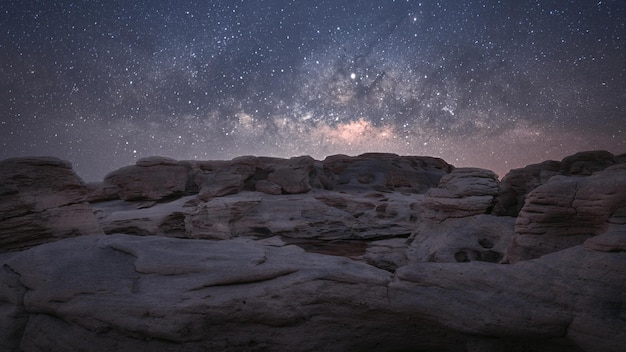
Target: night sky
(493, 84)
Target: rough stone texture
(476, 238)
(519, 182)
(321, 215)
(566, 211)
(375, 252)
(41, 199)
(464, 192)
(383, 172)
(233, 295)
(153, 178)
(162, 293)
(575, 293)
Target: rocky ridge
(374, 252)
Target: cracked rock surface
(375, 252)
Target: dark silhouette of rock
(151, 179)
(517, 183)
(41, 200)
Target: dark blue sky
(495, 84)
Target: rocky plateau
(376, 252)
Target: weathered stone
(41, 200)
(566, 211)
(383, 172)
(476, 238)
(464, 192)
(153, 178)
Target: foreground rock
(41, 199)
(157, 293)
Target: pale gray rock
(320, 215)
(475, 238)
(127, 293)
(164, 219)
(173, 294)
(464, 192)
(517, 183)
(567, 211)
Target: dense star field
(494, 84)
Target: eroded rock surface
(464, 192)
(41, 199)
(567, 211)
(516, 184)
(375, 252)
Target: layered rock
(41, 199)
(295, 254)
(454, 226)
(161, 293)
(566, 211)
(519, 182)
(150, 179)
(464, 192)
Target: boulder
(383, 172)
(567, 211)
(294, 176)
(519, 182)
(461, 193)
(151, 179)
(41, 200)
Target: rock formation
(374, 252)
(41, 199)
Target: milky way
(494, 84)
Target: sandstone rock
(383, 172)
(125, 292)
(175, 294)
(153, 178)
(464, 192)
(164, 219)
(519, 182)
(218, 184)
(294, 177)
(41, 200)
(575, 293)
(613, 240)
(268, 187)
(320, 215)
(586, 163)
(476, 238)
(566, 211)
